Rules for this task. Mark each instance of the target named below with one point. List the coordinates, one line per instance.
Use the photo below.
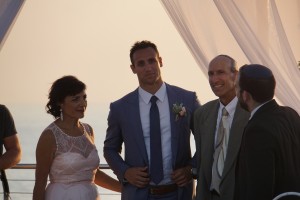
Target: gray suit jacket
(205, 120)
(125, 128)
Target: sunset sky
(90, 40)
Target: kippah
(257, 71)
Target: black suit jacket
(269, 158)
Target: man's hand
(137, 176)
(182, 176)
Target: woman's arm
(44, 156)
(106, 181)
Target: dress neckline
(84, 131)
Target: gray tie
(220, 152)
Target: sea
(30, 121)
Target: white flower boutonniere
(179, 110)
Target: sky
(90, 40)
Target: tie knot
(224, 112)
(153, 99)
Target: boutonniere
(179, 110)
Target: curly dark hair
(60, 89)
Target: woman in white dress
(66, 152)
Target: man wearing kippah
(268, 163)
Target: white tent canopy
(8, 12)
(264, 32)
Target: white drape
(8, 12)
(250, 31)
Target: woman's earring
(61, 115)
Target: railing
(16, 194)
(32, 166)
(21, 184)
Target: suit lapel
(209, 138)
(240, 119)
(137, 131)
(172, 97)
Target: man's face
(146, 64)
(222, 78)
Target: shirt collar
(160, 94)
(255, 109)
(230, 107)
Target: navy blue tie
(156, 166)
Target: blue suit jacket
(124, 126)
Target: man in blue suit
(129, 123)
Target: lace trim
(65, 143)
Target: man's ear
(246, 96)
(133, 69)
(236, 73)
(160, 61)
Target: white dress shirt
(165, 126)
(231, 110)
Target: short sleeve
(7, 125)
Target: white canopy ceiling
(251, 31)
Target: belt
(162, 189)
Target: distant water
(30, 121)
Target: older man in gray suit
(218, 136)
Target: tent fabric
(251, 31)
(8, 12)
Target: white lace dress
(74, 167)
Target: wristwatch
(194, 173)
